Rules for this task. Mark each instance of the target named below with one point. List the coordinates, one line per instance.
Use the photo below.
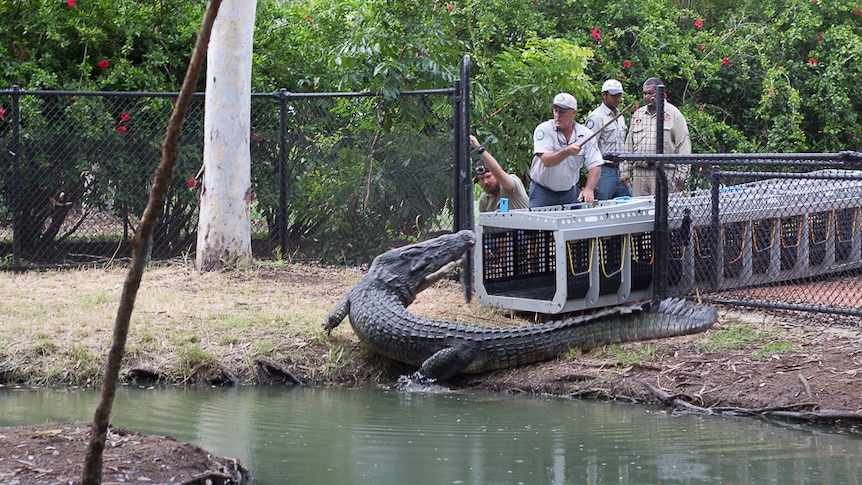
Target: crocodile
(377, 306)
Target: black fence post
(16, 176)
(660, 276)
(715, 250)
(463, 172)
(281, 225)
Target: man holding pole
(561, 149)
(608, 122)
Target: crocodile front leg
(447, 362)
(338, 313)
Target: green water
(347, 437)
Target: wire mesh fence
(347, 171)
(339, 176)
(781, 231)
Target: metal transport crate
(582, 256)
(565, 258)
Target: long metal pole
(16, 176)
(660, 276)
(465, 173)
(281, 227)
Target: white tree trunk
(224, 228)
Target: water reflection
(339, 436)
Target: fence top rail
(282, 93)
(792, 175)
(846, 156)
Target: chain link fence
(779, 231)
(336, 177)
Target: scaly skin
(377, 306)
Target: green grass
(739, 336)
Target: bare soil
(812, 376)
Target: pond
(429, 435)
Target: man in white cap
(612, 139)
(559, 157)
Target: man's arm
(553, 159)
(588, 194)
(493, 166)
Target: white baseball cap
(565, 101)
(612, 86)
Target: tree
(92, 472)
(224, 230)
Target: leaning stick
(622, 111)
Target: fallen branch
(274, 372)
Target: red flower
(251, 196)
(627, 64)
(726, 61)
(103, 64)
(449, 7)
(124, 117)
(2, 112)
(308, 18)
(701, 47)
(812, 61)
(698, 23)
(256, 138)
(819, 36)
(192, 183)
(595, 33)
(71, 3)
(122, 129)
(850, 135)
(857, 12)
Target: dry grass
(191, 327)
(57, 326)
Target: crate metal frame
(537, 250)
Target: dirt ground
(814, 378)
(54, 454)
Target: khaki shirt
(518, 198)
(641, 137)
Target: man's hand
(574, 149)
(587, 195)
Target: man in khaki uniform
(642, 139)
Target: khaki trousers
(643, 179)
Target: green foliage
(517, 88)
(54, 45)
(766, 76)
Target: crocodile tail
(665, 318)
